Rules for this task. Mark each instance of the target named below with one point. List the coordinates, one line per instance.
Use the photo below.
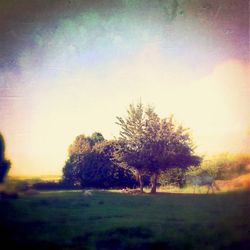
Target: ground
(112, 220)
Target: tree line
(149, 151)
(146, 147)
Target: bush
(22, 186)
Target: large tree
(4, 164)
(152, 144)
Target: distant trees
(90, 164)
(224, 166)
(4, 164)
(150, 145)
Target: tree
(130, 152)
(152, 145)
(95, 167)
(81, 146)
(4, 164)
(132, 159)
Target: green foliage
(4, 164)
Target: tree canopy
(83, 144)
(151, 145)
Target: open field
(111, 220)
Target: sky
(71, 67)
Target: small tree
(4, 164)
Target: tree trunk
(140, 180)
(154, 179)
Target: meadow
(112, 220)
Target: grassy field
(111, 220)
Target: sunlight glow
(74, 74)
(214, 107)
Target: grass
(111, 220)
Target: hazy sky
(70, 67)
